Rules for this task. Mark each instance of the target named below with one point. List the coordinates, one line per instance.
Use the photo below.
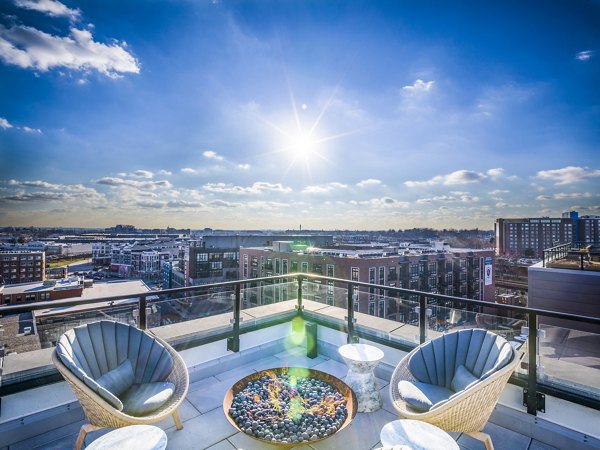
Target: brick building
(456, 272)
(22, 266)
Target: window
(372, 275)
(318, 268)
(372, 308)
(330, 300)
(414, 270)
(381, 308)
(330, 270)
(284, 266)
(202, 257)
(277, 266)
(382, 275)
(354, 273)
(304, 267)
(294, 266)
(392, 273)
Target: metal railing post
(233, 343)
(422, 318)
(299, 306)
(532, 364)
(142, 313)
(352, 338)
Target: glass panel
(569, 359)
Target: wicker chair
(466, 411)
(102, 413)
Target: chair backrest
(481, 352)
(99, 347)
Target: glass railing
(400, 318)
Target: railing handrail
(27, 307)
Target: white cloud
(189, 170)
(368, 182)
(4, 123)
(258, 187)
(419, 86)
(34, 183)
(223, 204)
(568, 175)
(30, 48)
(164, 172)
(383, 202)
(151, 185)
(584, 55)
(51, 7)
(212, 155)
(324, 188)
(31, 130)
(243, 166)
(138, 174)
(455, 178)
(499, 192)
(495, 173)
(565, 195)
(183, 204)
(464, 198)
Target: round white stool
(416, 435)
(362, 360)
(139, 437)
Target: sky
(281, 114)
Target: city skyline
(345, 115)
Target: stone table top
(416, 435)
(138, 437)
(361, 352)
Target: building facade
(22, 267)
(531, 236)
(460, 273)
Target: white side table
(139, 437)
(416, 435)
(362, 360)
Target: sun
(303, 147)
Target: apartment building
(529, 237)
(459, 272)
(22, 266)
(101, 253)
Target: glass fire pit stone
(299, 373)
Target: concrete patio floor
(205, 425)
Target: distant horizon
(259, 114)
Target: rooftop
(48, 416)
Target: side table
(139, 437)
(361, 360)
(416, 435)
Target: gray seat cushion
(142, 399)
(423, 396)
(93, 351)
(462, 379)
(479, 351)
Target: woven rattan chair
(101, 413)
(466, 411)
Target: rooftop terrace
(246, 330)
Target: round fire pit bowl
(294, 416)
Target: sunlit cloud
(455, 178)
(30, 48)
(324, 188)
(146, 174)
(568, 175)
(258, 187)
(419, 86)
(212, 155)
(114, 181)
(565, 195)
(52, 8)
(368, 182)
(5, 124)
(584, 55)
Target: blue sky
(271, 114)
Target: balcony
(226, 331)
(573, 256)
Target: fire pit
(290, 406)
